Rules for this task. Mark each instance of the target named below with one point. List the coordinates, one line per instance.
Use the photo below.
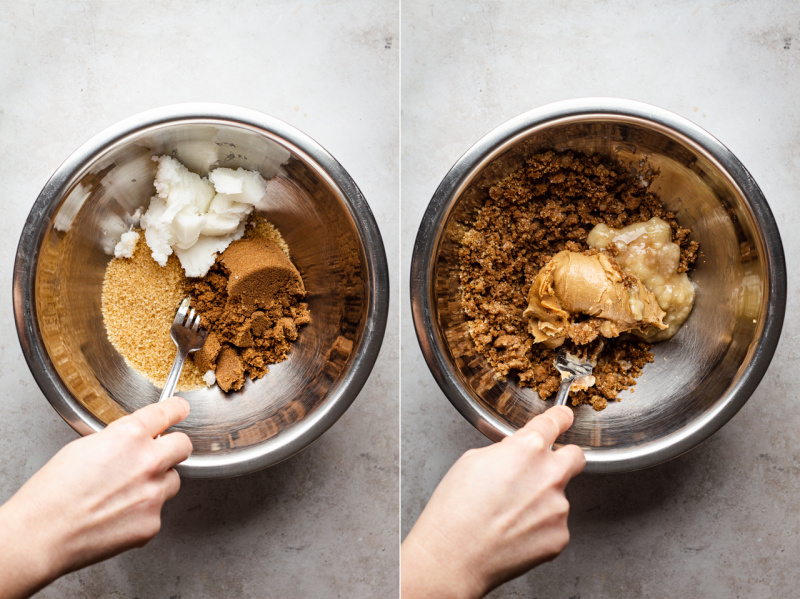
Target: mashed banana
(646, 250)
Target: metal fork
(572, 369)
(188, 337)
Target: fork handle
(174, 375)
(563, 391)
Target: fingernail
(184, 402)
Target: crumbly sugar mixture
(139, 301)
(551, 204)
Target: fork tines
(180, 315)
(186, 317)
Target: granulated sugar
(258, 226)
(139, 302)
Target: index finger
(158, 417)
(549, 424)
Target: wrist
(430, 572)
(29, 562)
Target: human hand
(98, 496)
(498, 512)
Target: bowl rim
(297, 437)
(421, 283)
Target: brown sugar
(250, 303)
(229, 369)
(548, 205)
(206, 357)
(258, 269)
(139, 301)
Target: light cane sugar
(139, 301)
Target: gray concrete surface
(324, 523)
(721, 521)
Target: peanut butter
(574, 284)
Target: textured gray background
(721, 521)
(324, 523)
(718, 522)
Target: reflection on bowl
(78, 218)
(703, 375)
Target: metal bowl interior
(700, 377)
(69, 238)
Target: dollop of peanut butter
(574, 284)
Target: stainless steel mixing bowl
(84, 208)
(703, 375)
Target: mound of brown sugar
(548, 205)
(250, 304)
